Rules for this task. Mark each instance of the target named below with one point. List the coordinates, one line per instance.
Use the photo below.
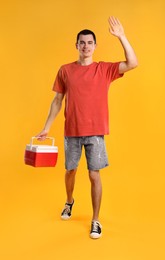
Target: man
(85, 84)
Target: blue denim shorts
(95, 152)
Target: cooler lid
(42, 148)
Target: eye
(82, 42)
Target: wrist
(46, 129)
(122, 37)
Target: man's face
(86, 45)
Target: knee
(94, 176)
(71, 172)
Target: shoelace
(66, 209)
(95, 226)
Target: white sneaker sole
(65, 217)
(95, 235)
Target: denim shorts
(95, 152)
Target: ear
(76, 44)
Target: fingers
(41, 138)
(116, 27)
(113, 21)
(42, 135)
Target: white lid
(42, 148)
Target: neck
(85, 61)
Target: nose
(85, 45)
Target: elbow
(132, 65)
(128, 65)
(135, 65)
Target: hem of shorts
(98, 168)
(70, 169)
(94, 169)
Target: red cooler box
(41, 155)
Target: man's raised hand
(116, 27)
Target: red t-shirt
(86, 96)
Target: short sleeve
(112, 70)
(59, 83)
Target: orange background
(37, 37)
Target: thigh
(73, 150)
(95, 152)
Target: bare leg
(96, 192)
(69, 184)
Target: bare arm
(117, 30)
(54, 110)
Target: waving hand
(116, 27)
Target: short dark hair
(86, 32)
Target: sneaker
(95, 230)
(66, 213)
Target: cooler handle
(34, 137)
